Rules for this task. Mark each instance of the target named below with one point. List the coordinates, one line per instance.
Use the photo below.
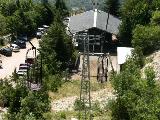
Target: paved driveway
(10, 63)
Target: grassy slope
(72, 88)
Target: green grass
(72, 88)
(67, 115)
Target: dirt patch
(155, 63)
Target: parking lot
(10, 63)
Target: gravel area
(10, 63)
(155, 64)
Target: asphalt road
(10, 63)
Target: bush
(1, 41)
(78, 105)
(63, 115)
(156, 18)
(53, 82)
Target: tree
(146, 37)
(36, 103)
(61, 7)
(45, 12)
(3, 25)
(8, 7)
(22, 103)
(23, 17)
(155, 20)
(57, 47)
(137, 98)
(112, 6)
(133, 12)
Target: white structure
(123, 53)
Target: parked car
(20, 43)
(45, 29)
(23, 37)
(22, 69)
(42, 30)
(38, 34)
(21, 72)
(6, 51)
(15, 48)
(0, 62)
(45, 26)
(30, 60)
(25, 64)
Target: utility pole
(85, 99)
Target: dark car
(23, 37)
(38, 34)
(20, 43)
(25, 64)
(6, 51)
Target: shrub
(78, 105)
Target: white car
(38, 34)
(21, 72)
(41, 30)
(15, 48)
(22, 69)
(45, 26)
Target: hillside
(154, 61)
(87, 4)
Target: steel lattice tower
(85, 113)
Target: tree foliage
(3, 25)
(146, 37)
(155, 18)
(137, 98)
(56, 48)
(133, 12)
(23, 17)
(112, 6)
(62, 8)
(22, 103)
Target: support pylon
(85, 111)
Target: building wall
(100, 41)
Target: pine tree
(112, 6)
(62, 8)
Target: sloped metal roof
(81, 22)
(113, 22)
(94, 18)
